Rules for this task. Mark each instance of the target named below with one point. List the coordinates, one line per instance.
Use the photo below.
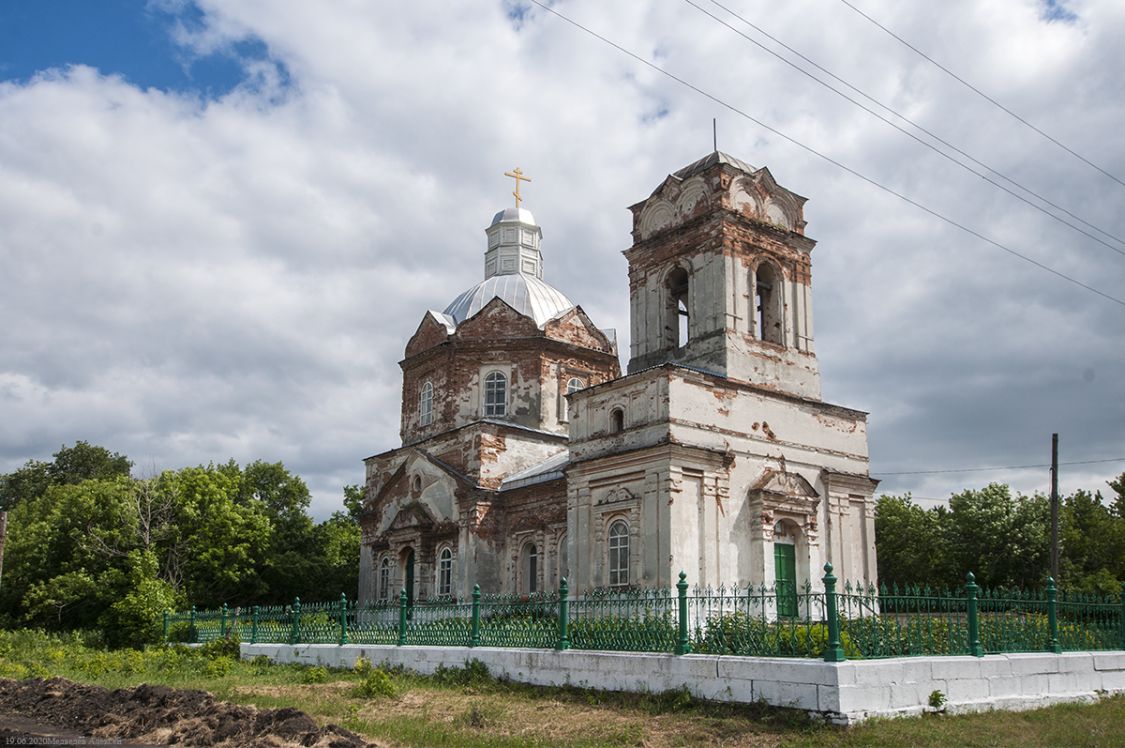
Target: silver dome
(523, 215)
(526, 294)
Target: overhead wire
(983, 95)
(941, 216)
(912, 123)
(1001, 467)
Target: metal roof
(519, 215)
(551, 468)
(715, 157)
(527, 294)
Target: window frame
(385, 578)
(528, 577)
(564, 402)
(617, 553)
(445, 572)
(426, 404)
(494, 406)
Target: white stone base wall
(845, 693)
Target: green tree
(1002, 539)
(912, 542)
(221, 543)
(1092, 537)
(135, 616)
(1118, 502)
(71, 465)
(338, 545)
(85, 461)
(354, 496)
(59, 546)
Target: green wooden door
(785, 572)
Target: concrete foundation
(844, 693)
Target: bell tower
(720, 277)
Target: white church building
(527, 456)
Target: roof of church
(527, 294)
(715, 157)
(551, 468)
(522, 215)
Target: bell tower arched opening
(768, 308)
(678, 308)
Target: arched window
(572, 386)
(616, 421)
(416, 484)
(426, 405)
(619, 554)
(679, 308)
(445, 572)
(529, 569)
(385, 579)
(767, 303)
(495, 394)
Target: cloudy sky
(220, 221)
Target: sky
(220, 222)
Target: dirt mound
(167, 716)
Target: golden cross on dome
(517, 175)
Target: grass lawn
(465, 707)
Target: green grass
(467, 707)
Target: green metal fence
(856, 621)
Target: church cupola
(513, 244)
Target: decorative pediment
(574, 326)
(413, 516)
(434, 329)
(618, 495)
(497, 313)
(782, 483)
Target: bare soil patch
(158, 715)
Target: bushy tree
(88, 545)
(1003, 539)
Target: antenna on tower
(715, 133)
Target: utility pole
(1055, 507)
(3, 534)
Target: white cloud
(191, 279)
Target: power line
(914, 124)
(826, 158)
(982, 94)
(1001, 467)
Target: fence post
(683, 647)
(971, 590)
(1053, 616)
(474, 639)
(1123, 615)
(402, 617)
(295, 629)
(343, 619)
(834, 652)
(223, 621)
(193, 634)
(166, 626)
(564, 615)
(254, 626)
